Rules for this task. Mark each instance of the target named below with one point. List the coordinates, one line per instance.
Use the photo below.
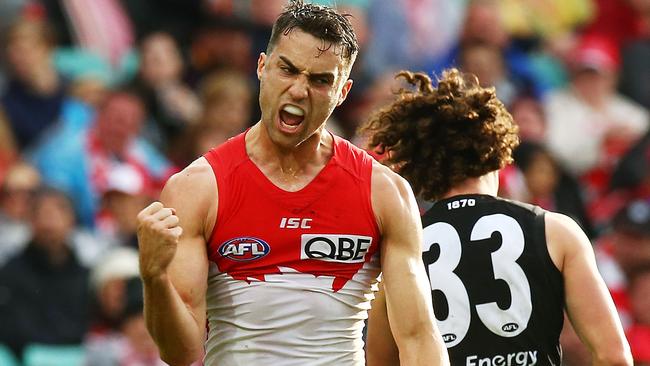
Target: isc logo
(244, 249)
(294, 223)
(335, 248)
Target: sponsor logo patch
(244, 249)
(335, 248)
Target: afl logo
(449, 337)
(510, 327)
(244, 249)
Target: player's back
(497, 295)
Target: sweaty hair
(438, 137)
(319, 21)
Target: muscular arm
(407, 290)
(174, 292)
(588, 303)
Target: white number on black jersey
(506, 323)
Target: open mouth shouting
(291, 118)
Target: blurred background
(101, 101)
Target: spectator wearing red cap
(590, 125)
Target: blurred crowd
(101, 101)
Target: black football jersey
(497, 295)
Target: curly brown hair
(438, 137)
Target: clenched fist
(158, 235)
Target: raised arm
(588, 302)
(407, 290)
(174, 262)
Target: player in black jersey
(501, 272)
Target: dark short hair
(437, 137)
(46, 192)
(127, 91)
(321, 22)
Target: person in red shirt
(280, 234)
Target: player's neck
(486, 184)
(316, 149)
(289, 168)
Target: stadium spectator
(400, 34)
(118, 336)
(89, 77)
(79, 162)
(108, 279)
(484, 24)
(589, 124)
(129, 344)
(529, 116)
(125, 195)
(10, 10)
(486, 62)
(45, 289)
(171, 105)
(226, 97)
(33, 99)
(548, 185)
(381, 92)
(16, 192)
(625, 252)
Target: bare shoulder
(192, 192)
(564, 237)
(562, 227)
(194, 179)
(392, 195)
(388, 184)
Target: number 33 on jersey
(508, 322)
(495, 290)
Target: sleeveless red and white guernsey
(291, 273)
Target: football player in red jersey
(262, 238)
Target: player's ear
(344, 91)
(261, 62)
